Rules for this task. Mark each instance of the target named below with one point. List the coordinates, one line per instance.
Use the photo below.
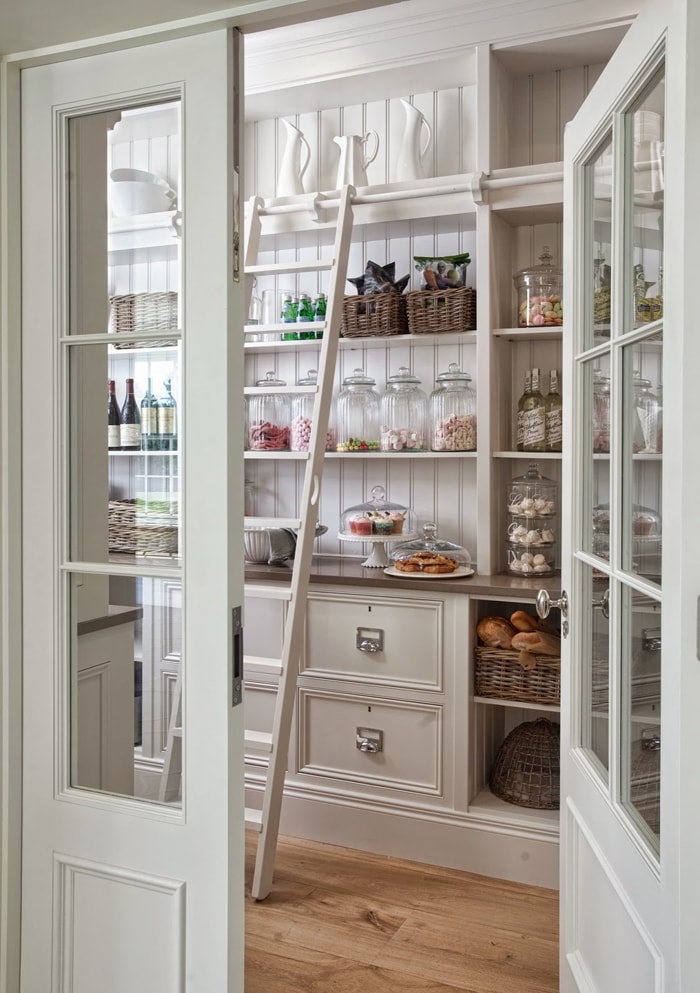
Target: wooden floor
(340, 921)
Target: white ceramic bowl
(256, 544)
(133, 191)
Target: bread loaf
(523, 621)
(537, 642)
(495, 632)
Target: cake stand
(379, 558)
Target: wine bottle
(113, 434)
(553, 414)
(521, 411)
(130, 421)
(534, 417)
(167, 420)
(150, 438)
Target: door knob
(544, 603)
(604, 604)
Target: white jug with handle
(292, 168)
(409, 161)
(354, 158)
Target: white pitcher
(354, 158)
(289, 180)
(409, 161)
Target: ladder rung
(293, 523)
(260, 741)
(260, 664)
(268, 591)
(315, 265)
(253, 819)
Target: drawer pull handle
(369, 740)
(370, 640)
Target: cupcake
(397, 518)
(363, 526)
(383, 525)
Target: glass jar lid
(430, 547)
(537, 274)
(359, 378)
(453, 375)
(309, 379)
(270, 380)
(404, 377)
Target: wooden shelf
(351, 344)
(517, 704)
(486, 805)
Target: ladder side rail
(252, 245)
(296, 616)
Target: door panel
(106, 863)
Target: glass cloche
(377, 518)
(431, 555)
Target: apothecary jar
(357, 427)
(268, 416)
(453, 412)
(404, 414)
(301, 412)
(531, 503)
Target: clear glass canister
(539, 294)
(531, 503)
(404, 414)
(453, 412)
(601, 412)
(268, 417)
(646, 418)
(431, 555)
(301, 411)
(357, 419)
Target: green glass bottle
(150, 434)
(167, 420)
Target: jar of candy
(453, 412)
(302, 409)
(539, 294)
(601, 412)
(268, 416)
(404, 414)
(358, 414)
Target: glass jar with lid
(601, 412)
(531, 503)
(645, 418)
(539, 291)
(301, 414)
(358, 414)
(268, 416)
(430, 555)
(404, 414)
(453, 412)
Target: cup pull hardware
(370, 640)
(369, 740)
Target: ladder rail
(296, 614)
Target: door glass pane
(642, 457)
(644, 193)
(595, 669)
(125, 637)
(599, 207)
(121, 428)
(641, 706)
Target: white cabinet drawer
(392, 640)
(412, 735)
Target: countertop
(345, 571)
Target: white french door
(132, 871)
(630, 873)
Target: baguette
(527, 660)
(537, 642)
(495, 632)
(523, 621)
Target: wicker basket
(436, 311)
(526, 770)
(373, 314)
(499, 673)
(132, 531)
(137, 312)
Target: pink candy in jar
(268, 416)
(453, 412)
(302, 408)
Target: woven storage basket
(436, 311)
(499, 673)
(137, 312)
(132, 531)
(526, 770)
(373, 314)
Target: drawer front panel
(411, 738)
(392, 640)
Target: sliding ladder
(276, 744)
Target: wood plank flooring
(341, 921)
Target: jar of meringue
(453, 412)
(404, 414)
(531, 505)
